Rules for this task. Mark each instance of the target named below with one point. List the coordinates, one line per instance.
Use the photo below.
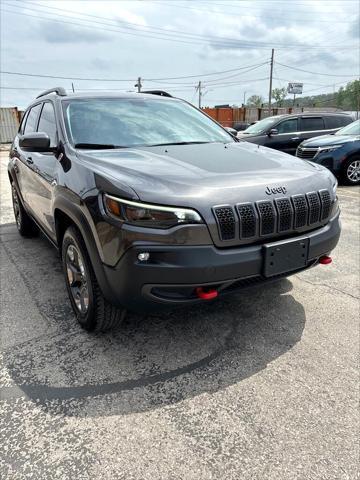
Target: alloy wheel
(77, 278)
(16, 207)
(353, 171)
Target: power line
(315, 73)
(23, 74)
(141, 33)
(241, 71)
(247, 14)
(157, 30)
(219, 41)
(217, 81)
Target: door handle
(29, 160)
(295, 138)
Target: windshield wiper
(99, 146)
(175, 143)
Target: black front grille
(300, 210)
(285, 214)
(306, 153)
(325, 204)
(314, 207)
(271, 217)
(267, 217)
(247, 217)
(226, 221)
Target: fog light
(143, 256)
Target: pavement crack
(328, 286)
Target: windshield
(352, 129)
(260, 127)
(130, 122)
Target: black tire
(351, 172)
(24, 223)
(92, 310)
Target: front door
(287, 139)
(45, 166)
(23, 161)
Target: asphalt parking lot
(262, 385)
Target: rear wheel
(24, 223)
(92, 310)
(351, 171)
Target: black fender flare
(77, 212)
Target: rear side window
(47, 123)
(31, 120)
(337, 122)
(312, 123)
(288, 126)
(23, 121)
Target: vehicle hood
(325, 140)
(243, 136)
(204, 175)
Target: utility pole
(271, 78)
(200, 92)
(244, 98)
(138, 84)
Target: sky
(225, 44)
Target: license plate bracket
(281, 257)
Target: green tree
(255, 101)
(348, 97)
(279, 94)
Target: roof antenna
(73, 89)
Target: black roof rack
(161, 93)
(58, 90)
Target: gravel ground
(262, 385)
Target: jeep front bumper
(173, 273)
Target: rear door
(312, 126)
(287, 138)
(333, 123)
(45, 165)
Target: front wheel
(351, 171)
(92, 310)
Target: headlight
(147, 215)
(329, 148)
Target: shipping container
(9, 124)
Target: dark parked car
(151, 203)
(286, 132)
(240, 126)
(340, 152)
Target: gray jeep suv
(151, 203)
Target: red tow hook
(206, 294)
(325, 260)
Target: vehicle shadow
(150, 361)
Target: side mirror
(232, 131)
(35, 142)
(273, 131)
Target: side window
(344, 121)
(23, 121)
(47, 123)
(312, 123)
(333, 122)
(288, 126)
(31, 120)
